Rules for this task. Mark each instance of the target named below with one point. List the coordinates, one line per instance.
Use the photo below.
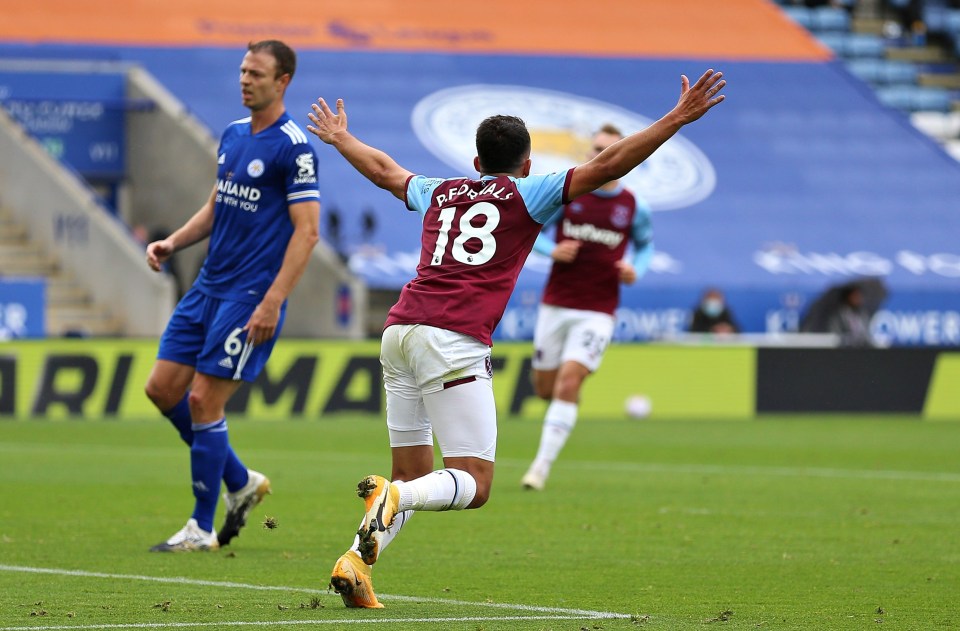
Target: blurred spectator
(713, 315)
(368, 223)
(141, 234)
(851, 320)
(846, 310)
(335, 232)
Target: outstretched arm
(374, 164)
(621, 157)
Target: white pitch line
(793, 472)
(289, 623)
(559, 612)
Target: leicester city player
(435, 351)
(576, 317)
(262, 218)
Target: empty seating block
(830, 19)
(801, 15)
(821, 19)
(883, 72)
(854, 45)
(864, 45)
(915, 98)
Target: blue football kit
(258, 178)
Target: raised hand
(326, 124)
(697, 99)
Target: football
(638, 406)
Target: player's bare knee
(159, 396)
(543, 392)
(483, 494)
(151, 391)
(405, 474)
(568, 388)
(198, 405)
(542, 386)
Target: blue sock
(208, 455)
(179, 415)
(234, 471)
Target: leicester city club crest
(255, 168)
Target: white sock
(388, 534)
(558, 422)
(446, 489)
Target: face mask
(712, 307)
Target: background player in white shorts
(476, 235)
(576, 318)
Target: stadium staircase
(70, 309)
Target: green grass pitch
(777, 523)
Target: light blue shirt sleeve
(641, 235)
(544, 244)
(542, 194)
(420, 192)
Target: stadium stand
(70, 309)
(882, 72)
(143, 159)
(918, 69)
(804, 178)
(884, 43)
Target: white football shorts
(563, 335)
(439, 383)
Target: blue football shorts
(207, 333)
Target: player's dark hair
(286, 58)
(611, 129)
(503, 143)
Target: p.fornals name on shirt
(490, 189)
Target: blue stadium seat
(915, 98)
(860, 45)
(899, 72)
(951, 21)
(830, 19)
(801, 15)
(898, 97)
(854, 45)
(931, 100)
(935, 18)
(883, 72)
(837, 42)
(869, 70)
